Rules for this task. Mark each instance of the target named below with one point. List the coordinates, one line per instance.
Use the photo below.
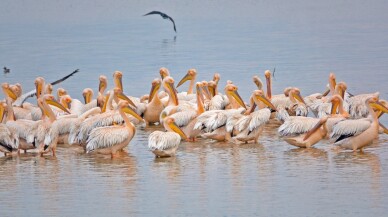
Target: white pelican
(188, 118)
(294, 126)
(250, 126)
(8, 141)
(154, 106)
(356, 134)
(111, 139)
(165, 144)
(311, 137)
(357, 106)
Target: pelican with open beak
(165, 144)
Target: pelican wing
(59, 127)
(7, 139)
(159, 140)
(297, 125)
(184, 118)
(104, 137)
(350, 127)
(23, 128)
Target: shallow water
(205, 178)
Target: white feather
(104, 137)
(159, 140)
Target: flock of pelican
(107, 124)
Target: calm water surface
(205, 178)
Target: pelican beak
(211, 90)
(207, 92)
(266, 101)
(379, 106)
(178, 130)
(315, 128)
(55, 103)
(154, 90)
(9, 93)
(39, 88)
(326, 92)
(299, 98)
(2, 109)
(184, 79)
(334, 107)
(101, 86)
(174, 96)
(103, 109)
(238, 98)
(199, 92)
(124, 97)
(130, 111)
(118, 82)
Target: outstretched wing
(153, 12)
(172, 22)
(31, 93)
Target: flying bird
(165, 16)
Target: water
(304, 41)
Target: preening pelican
(111, 139)
(356, 134)
(165, 144)
(250, 126)
(313, 136)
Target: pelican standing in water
(111, 139)
(165, 144)
(356, 134)
(154, 106)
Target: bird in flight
(165, 16)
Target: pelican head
(231, 90)
(50, 99)
(216, 77)
(120, 95)
(376, 104)
(16, 89)
(170, 124)
(335, 101)
(295, 92)
(340, 89)
(39, 84)
(103, 84)
(168, 84)
(48, 89)
(164, 72)
(191, 75)
(287, 90)
(8, 92)
(87, 93)
(154, 88)
(61, 92)
(66, 100)
(124, 106)
(258, 95)
(212, 85)
(118, 79)
(258, 82)
(321, 122)
(205, 88)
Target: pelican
(215, 122)
(111, 139)
(190, 76)
(357, 106)
(154, 106)
(294, 126)
(356, 134)
(165, 144)
(313, 136)
(61, 92)
(46, 124)
(250, 126)
(187, 119)
(8, 141)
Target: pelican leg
(18, 152)
(53, 150)
(25, 151)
